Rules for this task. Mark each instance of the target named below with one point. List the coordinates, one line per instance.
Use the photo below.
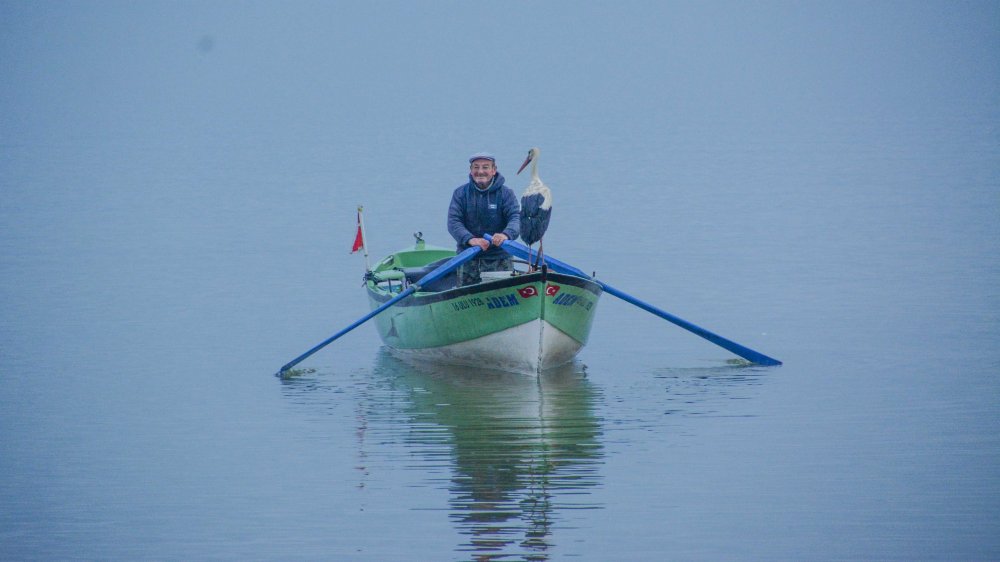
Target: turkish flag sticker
(528, 292)
(551, 290)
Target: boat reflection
(522, 451)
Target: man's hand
(499, 238)
(481, 242)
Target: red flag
(528, 292)
(359, 240)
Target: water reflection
(515, 454)
(523, 449)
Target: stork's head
(532, 155)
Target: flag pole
(364, 237)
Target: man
(482, 206)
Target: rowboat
(518, 321)
(523, 320)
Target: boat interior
(399, 270)
(395, 279)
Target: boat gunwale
(424, 298)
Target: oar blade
(288, 367)
(520, 250)
(738, 349)
(438, 273)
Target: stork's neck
(534, 170)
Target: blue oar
(431, 277)
(522, 251)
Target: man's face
(482, 171)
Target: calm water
(179, 186)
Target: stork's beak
(526, 162)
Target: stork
(536, 207)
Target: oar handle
(520, 250)
(448, 266)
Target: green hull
(524, 322)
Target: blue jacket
(474, 212)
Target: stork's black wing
(534, 219)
